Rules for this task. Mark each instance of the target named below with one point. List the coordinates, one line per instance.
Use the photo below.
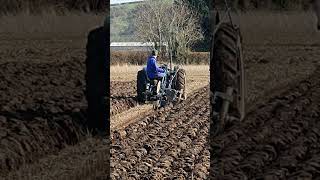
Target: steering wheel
(163, 66)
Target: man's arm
(157, 68)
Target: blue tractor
(160, 92)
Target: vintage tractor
(226, 70)
(160, 92)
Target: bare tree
(184, 29)
(150, 21)
(174, 23)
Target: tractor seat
(154, 81)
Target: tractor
(161, 92)
(227, 78)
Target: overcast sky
(123, 1)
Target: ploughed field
(280, 139)
(174, 142)
(42, 111)
(159, 144)
(168, 143)
(42, 99)
(122, 96)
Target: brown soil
(279, 140)
(42, 102)
(122, 96)
(42, 112)
(149, 148)
(171, 143)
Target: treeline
(38, 6)
(268, 4)
(140, 57)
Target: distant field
(61, 6)
(70, 24)
(129, 72)
(265, 27)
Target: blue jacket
(152, 68)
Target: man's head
(154, 52)
(316, 7)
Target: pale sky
(123, 1)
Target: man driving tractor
(160, 85)
(153, 71)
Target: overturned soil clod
(42, 110)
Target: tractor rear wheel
(97, 81)
(227, 77)
(180, 84)
(141, 86)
